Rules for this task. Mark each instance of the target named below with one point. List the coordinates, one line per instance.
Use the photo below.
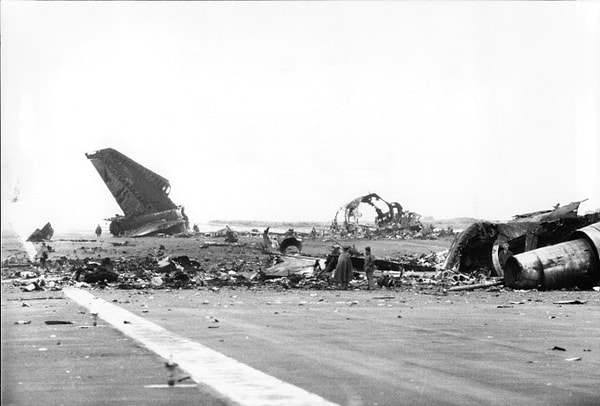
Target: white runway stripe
(235, 380)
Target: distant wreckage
(390, 216)
(142, 195)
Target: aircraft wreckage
(142, 195)
(45, 234)
(573, 263)
(389, 215)
(490, 246)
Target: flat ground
(383, 347)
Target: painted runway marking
(235, 380)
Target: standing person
(369, 268)
(43, 255)
(343, 269)
(98, 231)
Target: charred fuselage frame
(391, 215)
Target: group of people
(344, 271)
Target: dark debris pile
(134, 273)
(156, 270)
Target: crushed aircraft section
(390, 217)
(142, 195)
(486, 245)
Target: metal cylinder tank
(568, 264)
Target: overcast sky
(288, 110)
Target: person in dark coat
(43, 255)
(98, 231)
(343, 269)
(369, 268)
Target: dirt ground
(82, 246)
(392, 346)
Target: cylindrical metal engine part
(524, 271)
(564, 265)
(568, 264)
(592, 234)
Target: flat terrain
(383, 347)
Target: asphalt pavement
(349, 348)
(79, 363)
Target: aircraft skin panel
(136, 189)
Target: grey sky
(287, 110)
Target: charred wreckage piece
(45, 234)
(142, 195)
(489, 246)
(290, 242)
(564, 265)
(389, 215)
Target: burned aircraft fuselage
(478, 246)
(388, 215)
(142, 195)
